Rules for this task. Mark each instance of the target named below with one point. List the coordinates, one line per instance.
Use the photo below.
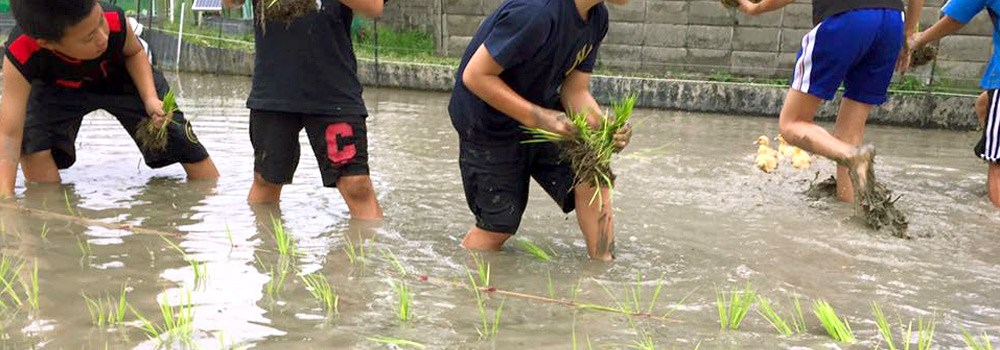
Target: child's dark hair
(49, 19)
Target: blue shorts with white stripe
(858, 48)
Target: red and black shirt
(106, 72)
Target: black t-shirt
(307, 66)
(826, 8)
(106, 73)
(538, 43)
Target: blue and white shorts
(988, 147)
(858, 48)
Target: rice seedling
(396, 341)
(200, 273)
(45, 231)
(798, 319)
(733, 310)
(534, 249)
(277, 273)
(283, 242)
(31, 287)
(105, 311)
(489, 330)
(9, 272)
(765, 309)
(975, 344)
(482, 270)
(84, 246)
(177, 321)
(356, 255)
(586, 337)
(405, 297)
(631, 303)
(153, 137)
(229, 234)
(319, 287)
(590, 151)
(391, 257)
(69, 208)
(883, 326)
(837, 328)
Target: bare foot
(859, 166)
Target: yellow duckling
(785, 150)
(767, 157)
(801, 159)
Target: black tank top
(105, 73)
(826, 8)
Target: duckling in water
(767, 157)
(785, 150)
(801, 159)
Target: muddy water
(690, 207)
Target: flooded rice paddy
(691, 209)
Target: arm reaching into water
(764, 6)
(13, 107)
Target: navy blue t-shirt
(538, 43)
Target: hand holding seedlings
(155, 108)
(554, 121)
(623, 137)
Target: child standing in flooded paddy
(854, 42)
(958, 13)
(64, 60)
(530, 61)
(305, 77)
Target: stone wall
(678, 36)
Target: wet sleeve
(588, 64)
(963, 10)
(519, 33)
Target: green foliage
(975, 344)
(107, 311)
(534, 249)
(320, 289)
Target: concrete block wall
(701, 36)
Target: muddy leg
(797, 127)
(40, 167)
(993, 182)
(850, 129)
(263, 192)
(483, 240)
(596, 222)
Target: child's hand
(554, 121)
(154, 108)
(748, 7)
(906, 55)
(623, 137)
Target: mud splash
(875, 205)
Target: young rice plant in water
(837, 328)
(733, 310)
(149, 135)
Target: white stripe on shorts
(990, 153)
(803, 68)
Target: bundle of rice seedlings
(152, 137)
(590, 151)
(735, 4)
(285, 10)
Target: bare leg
(488, 241)
(360, 197)
(40, 167)
(982, 107)
(262, 192)
(596, 222)
(850, 129)
(993, 182)
(202, 170)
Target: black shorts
(496, 179)
(988, 147)
(339, 142)
(55, 114)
